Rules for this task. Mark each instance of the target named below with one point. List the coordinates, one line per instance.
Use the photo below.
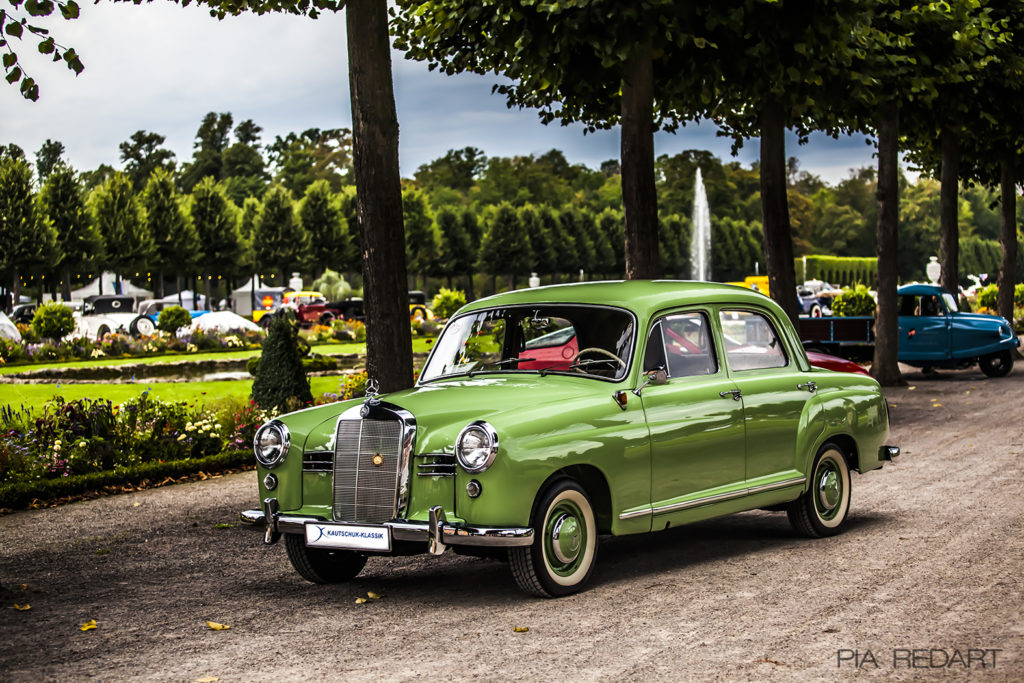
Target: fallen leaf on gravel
(372, 595)
(765, 660)
(88, 626)
(360, 601)
(521, 629)
(22, 608)
(135, 505)
(207, 679)
(223, 525)
(214, 626)
(911, 388)
(936, 405)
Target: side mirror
(656, 376)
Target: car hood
(981, 319)
(441, 409)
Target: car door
(696, 425)
(924, 328)
(773, 390)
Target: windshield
(587, 340)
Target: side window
(750, 341)
(688, 346)
(654, 354)
(682, 344)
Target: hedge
(21, 494)
(845, 271)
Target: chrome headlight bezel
(483, 453)
(277, 452)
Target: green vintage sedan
(547, 417)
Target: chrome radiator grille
(365, 491)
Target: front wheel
(322, 566)
(997, 364)
(822, 509)
(142, 326)
(564, 546)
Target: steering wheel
(603, 352)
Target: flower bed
(117, 345)
(95, 443)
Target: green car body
(577, 454)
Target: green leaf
(70, 10)
(46, 47)
(701, 43)
(9, 60)
(14, 75)
(14, 29)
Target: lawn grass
(35, 395)
(419, 345)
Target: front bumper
(437, 533)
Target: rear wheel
(319, 565)
(326, 319)
(102, 332)
(564, 546)
(419, 314)
(822, 509)
(997, 364)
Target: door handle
(809, 386)
(736, 395)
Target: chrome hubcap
(565, 538)
(828, 490)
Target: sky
(161, 67)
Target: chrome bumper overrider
(436, 533)
(890, 453)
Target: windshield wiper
(577, 364)
(499, 363)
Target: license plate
(348, 536)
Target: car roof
(920, 288)
(643, 297)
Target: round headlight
(271, 444)
(476, 447)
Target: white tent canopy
(127, 288)
(8, 330)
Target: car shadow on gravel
(455, 580)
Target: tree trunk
(195, 292)
(15, 289)
(177, 285)
(470, 294)
(66, 286)
(639, 196)
(778, 241)
(207, 290)
(379, 195)
(1008, 238)
(159, 283)
(949, 240)
(885, 367)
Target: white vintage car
(106, 313)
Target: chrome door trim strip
(717, 498)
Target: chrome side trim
(717, 498)
(419, 532)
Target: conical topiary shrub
(280, 380)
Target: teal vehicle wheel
(322, 566)
(564, 548)
(997, 364)
(822, 509)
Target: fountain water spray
(700, 246)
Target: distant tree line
(239, 207)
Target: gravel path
(932, 562)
